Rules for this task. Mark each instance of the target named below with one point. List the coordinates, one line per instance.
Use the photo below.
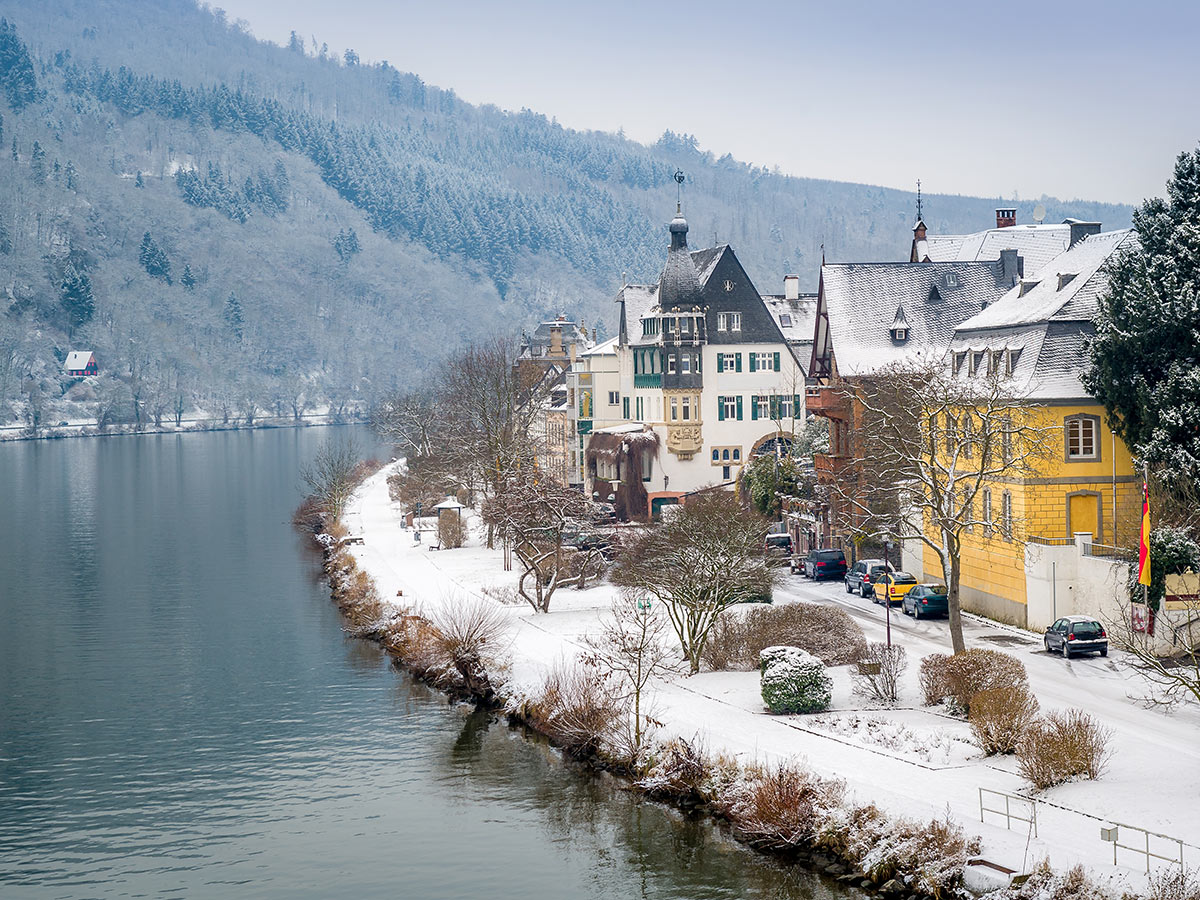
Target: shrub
(1000, 717)
(929, 856)
(826, 632)
(1168, 884)
(1046, 884)
(578, 710)
(1061, 746)
(451, 531)
(469, 634)
(885, 686)
(679, 770)
(794, 681)
(780, 807)
(960, 677)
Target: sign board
(1183, 592)
(1142, 618)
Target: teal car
(926, 600)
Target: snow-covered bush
(1046, 884)
(883, 685)
(960, 677)
(578, 709)
(1169, 884)
(826, 632)
(1000, 717)
(1061, 746)
(794, 681)
(928, 856)
(781, 807)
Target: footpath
(909, 761)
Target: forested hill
(240, 227)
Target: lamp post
(887, 594)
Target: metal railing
(1050, 542)
(1009, 815)
(1107, 551)
(1144, 847)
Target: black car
(1076, 634)
(827, 563)
(926, 600)
(778, 549)
(863, 574)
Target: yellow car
(893, 585)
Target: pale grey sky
(1072, 99)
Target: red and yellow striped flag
(1144, 543)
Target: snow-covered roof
(1035, 244)
(795, 318)
(78, 359)
(1065, 289)
(604, 348)
(861, 301)
(627, 428)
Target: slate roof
(1052, 296)
(861, 301)
(679, 284)
(1051, 323)
(1035, 244)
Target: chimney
(1081, 230)
(556, 341)
(1006, 218)
(919, 230)
(791, 287)
(1012, 266)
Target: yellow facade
(1074, 491)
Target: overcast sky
(1090, 100)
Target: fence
(1007, 812)
(1145, 848)
(1106, 551)
(1050, 542)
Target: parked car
(778, 549)
(826, 563)
(1076, 634)
(926, 600)
(893, 586)
(863, 574)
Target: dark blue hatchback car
(926, 600)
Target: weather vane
(918, 199)
(679, 178)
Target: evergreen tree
(154, 259)
(187, 279)
(16, 69)
(296, 44)
(75, 296)
(70, 176)
(37, 163)
(233, 315)
(138, 182)
(16, 156)
(1144, 367)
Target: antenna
(1039, 213)
(679, 179)
(918, 199)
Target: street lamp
(887, 594)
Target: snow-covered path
(1153, 779)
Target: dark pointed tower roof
(679, 286)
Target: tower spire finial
(679, 179)
(918, 199)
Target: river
(181, 715)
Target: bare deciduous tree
(929, 445)
(534, 513)
(330, 476)
(631, 647)
(698, 563)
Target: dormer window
(899, 329)
(951, 279)
(1026, 287)
(899, 335)
(1064, 278)
(785, 320)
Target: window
(729, 407)
(1081, 438)
(1006, 442)
(647, 464)
(783, 408)
(785, 320)
(716, 455)
(726, 473)
(674, 409)
(951, 434)
(640, 409)
(729, 321)
(760, 407)
(625, 408)
(685, 363)
(729, 362)
(686, 405)
(977, 360)
(671, 364)
(685, 325)
(951, 280)
(987, 512)
(764, 362)
(1010, 361)
(968, 436)
(1006, 524)
(959, 359)
(969, 514)
(614, 398)
(725, 455)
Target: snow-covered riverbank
(910, 762)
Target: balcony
(828, 401)
(830, 467)
(653, 380)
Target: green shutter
(720, 409)
(625, 407)
(738, 360)
(776, 360)
(774, 407)
(753, 406)
(796, 406)
(739, 407)
(720, 362)
(753, 362)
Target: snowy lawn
(910, 761)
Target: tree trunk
(954, 607)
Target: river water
(181, 715)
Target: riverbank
(909, 762)
(81, 429)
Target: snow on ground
(910, 761)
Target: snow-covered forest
(246, 229)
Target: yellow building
(1085, 493)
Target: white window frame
(735, 321)
(1083, 431)
(764, 360)
(670, 363)
(730, 403)
(614, 398)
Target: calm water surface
(180, 714)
